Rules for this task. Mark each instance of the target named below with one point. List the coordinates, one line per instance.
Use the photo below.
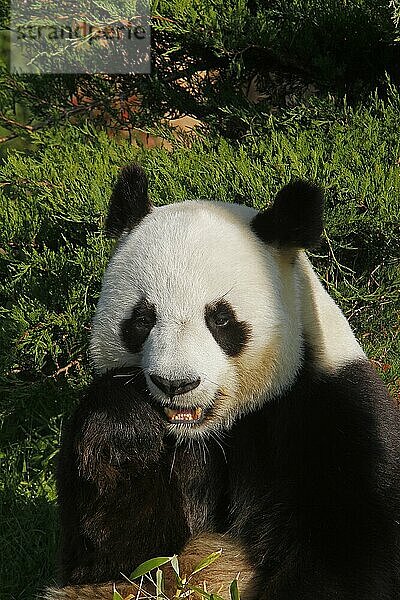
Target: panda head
(202, 297)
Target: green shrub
(345, 45)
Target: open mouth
(184, 415)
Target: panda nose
(174, 387)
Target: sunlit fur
(233, 563)
(184, 256)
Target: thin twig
(7, 138)
(65, 369)
(13, 123)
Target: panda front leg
(234, 563)
(117, 506)
(315, 497)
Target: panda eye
(219, 315)
(230, 334)
(222, 319)
(135, 329)
(145, 320)
(143, 316)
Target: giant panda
(232, 408)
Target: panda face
(195, 300)
(214, 302)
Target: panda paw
(114, 431)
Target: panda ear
(295, 218)
(129, 201)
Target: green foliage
(149, 565)
(206, 562)
(52, 255)
(396, 11)
(345, 45)
(233, 589)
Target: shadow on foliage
(29, 537)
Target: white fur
(324, 324)
(184, 256)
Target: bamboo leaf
(200, 591)
(159, 583)
(234, 590)
(175, 564)
(149, 565)
(206, 561)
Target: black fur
(295, 218)
(135, 330)
(310, 486)
(125, 492)
(129, 202)
(230, 334)
(320, 506)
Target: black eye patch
(229, 333)
(137, 327)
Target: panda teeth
(197, 413)
(182, 415)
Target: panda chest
(201, 482)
